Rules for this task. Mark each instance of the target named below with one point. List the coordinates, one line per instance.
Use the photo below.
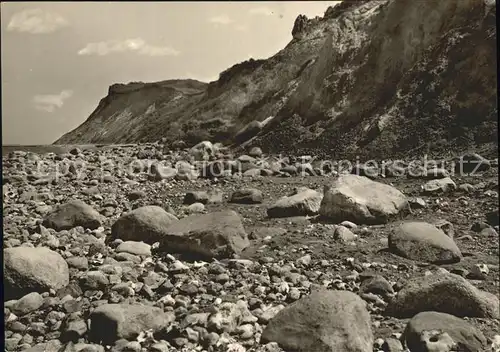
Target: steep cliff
(372, 78)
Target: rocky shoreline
(223, 252)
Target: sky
(59, 58)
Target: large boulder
(304, 202)
(147, 224)
(361, 200)
(111, 322)
(418, 240)
(446, 293)
(466, 336)
(29, 270)
(324, 321)
(218, 234)
(72, 214)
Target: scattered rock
(445, 293)
(163, 172)
(417, 203)
(195, 208)
(472, 163)
(50, 346)
(358, 199)
(422, 241)
(323, 321)
(479, 226)
(199, 283)
(72, 214)
(136, 195)
(247, 196)
(29, 270)
(218, 234)
(133, 247)
(461, 332)
(478, 272)
(439, 186)
(111, 322)
(377, 285)
(147, 224)
(255, 152)
(28, 303)
(492, 217)
(445, 226)
(196, 197)
(306, 202)
(344, 234)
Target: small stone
(294, 294)
(392, 344)
(305, 260)
(348, 224)
(246, 331)
(344, 234)
(132, 346)
(479, 272)
(28, 303)
(495, 344)
(75, 329)
(94, 280)
(80, 263)
(160, 347)
(134, 247)
(195, 208)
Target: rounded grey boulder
(324, 321)
(29, 270)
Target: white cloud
(50, 102)
(261, 10)
(136, 45)
(36, 21)
(221, 19)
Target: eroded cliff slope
(370, 78)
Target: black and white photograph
(250, 176)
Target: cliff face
(370, 78)
(122, 115)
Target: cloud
(36, 21)
(136, 45)
(261, 10)
(50, 102)
(221, 19)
